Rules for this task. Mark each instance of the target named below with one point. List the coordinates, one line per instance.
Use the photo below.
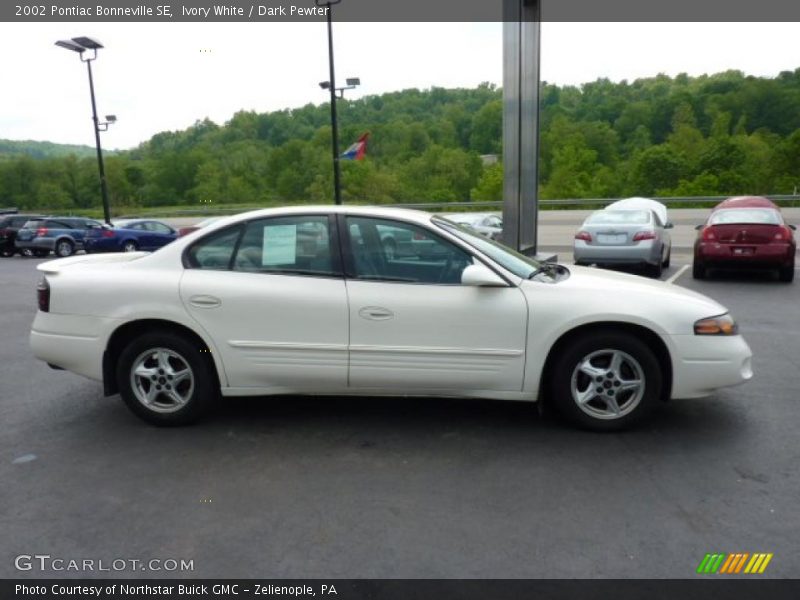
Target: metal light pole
(81, 45)
(337, 191)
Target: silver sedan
(624, 237)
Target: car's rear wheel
(786, 274)
(165, 379)
(698, 270)
(668, 259)
(130, 246)
(64, 248)
(7, 252)
(605, 381)
(654, 271)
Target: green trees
(720, 134)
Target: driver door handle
(375, 313)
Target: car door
(272, 296)
(415, 327)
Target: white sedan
(304, 300)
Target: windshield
(620, 217)
(518, 264)
(758, 216)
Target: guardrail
(466, 206)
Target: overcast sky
(165, 76)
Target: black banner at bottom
(405, 589)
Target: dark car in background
(10, 224)
(130, 235)
(62, 235)
(745, 232)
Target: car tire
(64, 248)
(786, 274)
(130, 246)
(611, 362)
(168, 357)
(654, 271)
(6, 253)
(667, 260)
(698, 270)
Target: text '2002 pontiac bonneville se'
(306, 300)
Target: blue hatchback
(129, 236)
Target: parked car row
(745, 231)
(38, 235)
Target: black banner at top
(394, 10)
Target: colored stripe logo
(734, 564)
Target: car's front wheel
(605, 381)
(130, 246)
(166, 379)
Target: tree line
(721, 134)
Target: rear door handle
(205, 301)
(375, 313)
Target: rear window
(619, 217)
(750, 216)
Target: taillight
(644, 235)
(43, 295)
(583, 235)
(107, 233)
(784, 235)
(41, 232)
(708, 234)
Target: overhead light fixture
(88, 43)
(70, 45)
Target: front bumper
(701, 364)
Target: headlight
(721, 325)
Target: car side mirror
(698, 227)
(669, 225)
(793, 227)
(479, 275)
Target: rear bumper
(778, 255)
(71, 342)
(36, 244)
(702, 364)
(645, 252)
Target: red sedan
(748, 231)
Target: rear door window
(297, 245)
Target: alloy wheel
(608, 384)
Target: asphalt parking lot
(343, 487)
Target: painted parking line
(680, 272)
